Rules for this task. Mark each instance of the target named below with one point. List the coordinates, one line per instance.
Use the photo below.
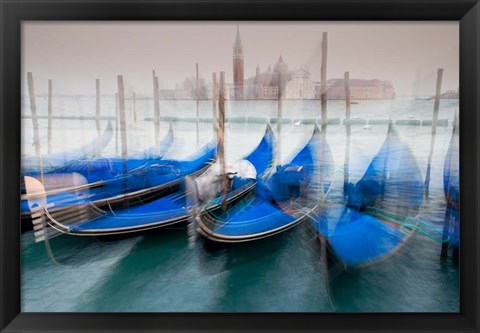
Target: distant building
(238, 69)
(188, 90)
(264, 85)
(359, 89)
(296, 84)
(300, 86)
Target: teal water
(172, 269)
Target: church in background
(296, 83)
(238, 68)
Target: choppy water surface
(169, 270)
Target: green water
(165, 271)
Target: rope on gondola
(405, 222)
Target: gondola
(243, 176)
(167, 210)
(372, 225)
(283, 200)
(108, 180)
(451, 187)
(50, 162)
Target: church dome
(280, 66)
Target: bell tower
(238, 66)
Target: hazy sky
(75, 54)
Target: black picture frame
(13, 12)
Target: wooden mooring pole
(156, 111)
(279, 118)
(97, 113)
(434, 127)
(134, 106)
(221, 139)
(198, 104)
(323, 105)
(116, 123)
(323, 78)
(348, 127)
(49, 135)
(36, 134)
(123, 129)
(214, 104)
(323, 142)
